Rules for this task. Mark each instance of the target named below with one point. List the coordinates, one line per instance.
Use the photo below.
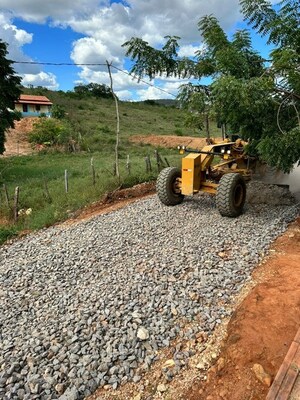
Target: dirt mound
(170, 141)
(17, 138)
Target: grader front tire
(231, 195)
(167, 186)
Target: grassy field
(41, 178)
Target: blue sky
(92, 31)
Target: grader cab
(199, 173)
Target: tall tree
(257, 99)
(9, 92)
(94, 89)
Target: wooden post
(149, 163)
(66, 181)
(118, 121)
(128, 166)
(93, 171)
(16, 203)
(158, 162)
(146, 162)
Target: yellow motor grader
(198, 173)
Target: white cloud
(16, 38)
(58, 10)
(44, 79)
(189, 50)
(121, 80)
(107, 26)
(125, 95)
(90, 50)
(152, 93)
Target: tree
(9, 93)
(94, 89)
(197, 101)
(257, 99)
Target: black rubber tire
(231, 195)
(165, 186)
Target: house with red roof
(33, 106)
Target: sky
(93, 31)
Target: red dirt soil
(17, 139)
(170, 141)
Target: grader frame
(198, 173)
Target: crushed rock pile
(264, 193)
(90, 305)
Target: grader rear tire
(231, 195)
(167, 188)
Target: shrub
(58, 111)
(178, 132)
(50, 132)
(6, 233)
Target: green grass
(41, 182)
(40, 177)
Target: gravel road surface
(89, 305)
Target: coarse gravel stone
(73, 298)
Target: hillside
(93, 122)
(93, 119)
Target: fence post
(128, 166)
(149, 163)
(157, 160)
(66, 181)
(16, 203)
(93, 171)
(146, 162)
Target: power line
(57, 64)
(145, 82)
(94, 64)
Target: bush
(50, 132)
(58, 111)
(178, 132)
(6, 233)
